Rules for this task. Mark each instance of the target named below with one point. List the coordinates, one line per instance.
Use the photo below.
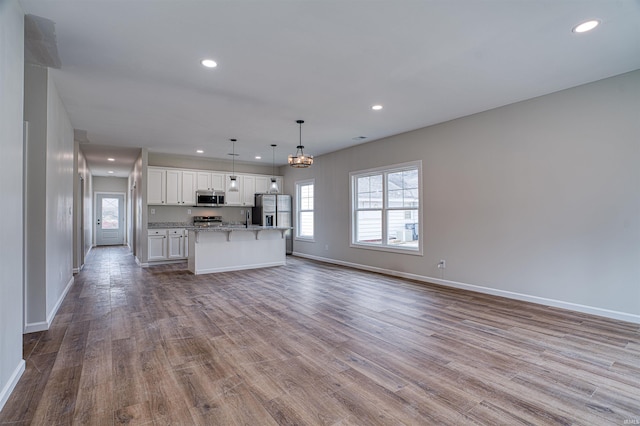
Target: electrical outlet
(442, 264)
(188, 211)
(153, 211)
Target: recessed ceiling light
(258, 157)
(376, 107)
(111, 159)
(209, 63)
(586, 26)
(199, 151)
(110, 172)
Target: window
(386, 208)
(304, 209)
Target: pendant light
(233, 184)
(299, 160)
(273, 189)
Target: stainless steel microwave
(208, 198)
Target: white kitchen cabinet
(188, 188)
(177, 187)
(248, 190)
(156, 185)
(157, 244)
(203, 180)
(211, 181)
(175, 244)
(180, 186)
(217, 181)
(174, 187)
(263, 183)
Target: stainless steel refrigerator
(274, 210)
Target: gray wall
(82, 232)
(189, 162)
(11, 189)
(109, 184)
(59, 200)
(49, 208)
(35, 113)
(537, 200)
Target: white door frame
(95, 213)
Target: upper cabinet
(248, 190)
(188, 188)
(212, 181)
(172, 187)
(263, 184)
(176, 187)
(156, 186)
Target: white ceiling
(131, 73)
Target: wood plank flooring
(315, 344)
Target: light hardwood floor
(312, 343)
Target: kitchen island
(233, 248)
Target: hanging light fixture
(233, 184)
(274, 184)
(300, 160)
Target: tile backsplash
(181, 214)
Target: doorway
(110, 219)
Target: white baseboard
(11, 383)
(33, 327)
(44, 325)
(623, 316)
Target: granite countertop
(162, 225)
(215, 228)
(228, 228)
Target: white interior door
(109, 219)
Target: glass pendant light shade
(233, 184)
(273, 189)
(274, 186)
(299, 160)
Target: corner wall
(11, 189)
(49, 188)
(537, 200)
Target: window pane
(369, 190)
(305, 210)
(306, 197)
(402, 228)
(402, 189)
(369, 227)
(110, 213)
(306, 224)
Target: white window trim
(353, 196)
(297, 186)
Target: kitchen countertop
(214, 228)
(227, 228)
(162, 225)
